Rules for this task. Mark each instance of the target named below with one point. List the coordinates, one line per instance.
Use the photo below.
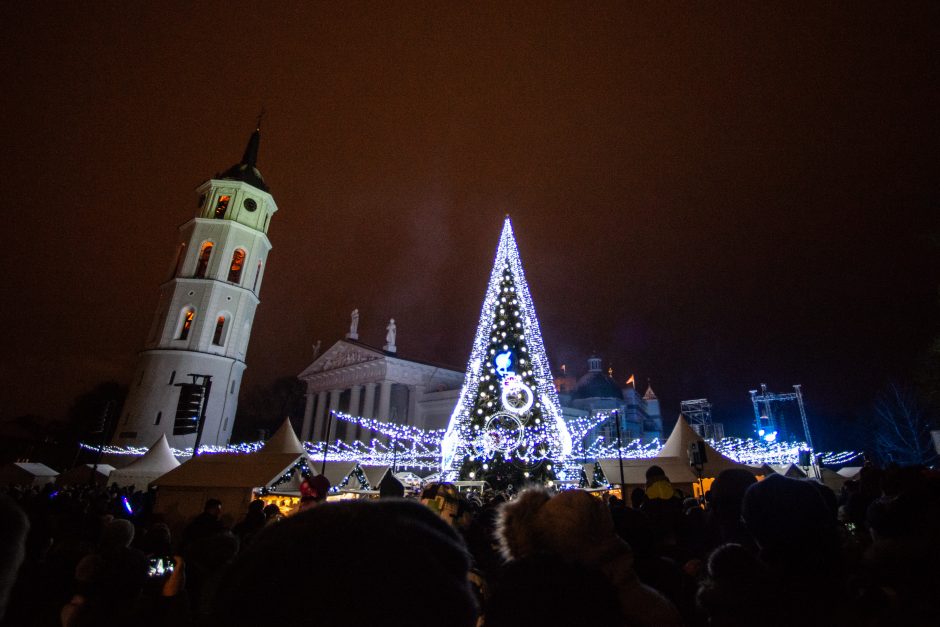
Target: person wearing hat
(663, 507)
(578, 528)
(405, 566)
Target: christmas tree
(507, 427)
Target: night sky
(709, 195)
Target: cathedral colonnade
(361, 402)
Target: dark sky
(711, 195)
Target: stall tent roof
(284, 440)
(229, 470)
(158, 458)
(240, 470)
(156, 462)
(673, 458)
(36, 469)
(33, 469)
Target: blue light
(503, 363)
(770, 437)
(127, 505)
(760, 432)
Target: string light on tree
(508, 417)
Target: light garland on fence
(420, 449)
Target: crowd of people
(778, 551)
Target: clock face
(250, 204)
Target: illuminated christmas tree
(507, 427)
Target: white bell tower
(204, 316)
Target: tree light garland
(508, 331)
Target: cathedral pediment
(340, 355)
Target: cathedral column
(415, 394)
(354, 411)
(334, 405)
(368, 410)
(308, 417)
(354, 393)
(319, 423)
(385, 399)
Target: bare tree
(902, 427)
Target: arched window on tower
(254, 288)
(218, 338)
(189, 314)
(238, 262)
(221, 206)
(203, 263)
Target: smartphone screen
(160, 566)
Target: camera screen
(160, 566)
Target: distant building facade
(362, 380)
(597, 392)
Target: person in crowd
(156, 541)
(898, 578)
(656, 571)
(313, 491)
(205, 524)
(407, 563)
(391, 487)
(13, 529)
(272, 514)
(737, 590)
(723, 519)
(251, 524)
(525, 594)
(577, 528)
(796, 533)
(663, 507)
(109, 582)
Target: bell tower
(205, 311)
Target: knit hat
(787, 517)
(388, 550)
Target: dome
(246, 170)
(596, 385)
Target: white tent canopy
(157, 461)
(27, 473)
(284, 440)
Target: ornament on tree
(507, 426)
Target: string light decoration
(300, 467)
(360, 476)
(421, 449)
(507, 427)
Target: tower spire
(250, 157)
(247, 169)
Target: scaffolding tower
(767, 424)
(699, 414)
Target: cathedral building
(187, 377)
(359, 379)
(362, 380)
(597, 392)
